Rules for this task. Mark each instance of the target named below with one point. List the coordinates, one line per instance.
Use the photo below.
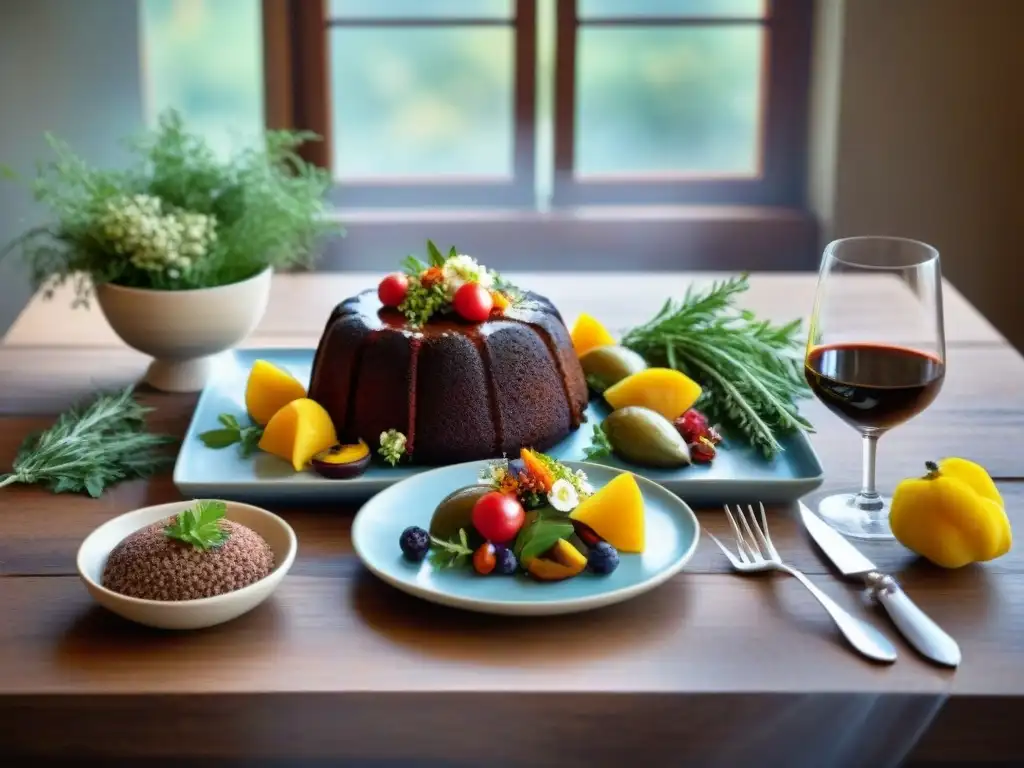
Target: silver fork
(757, 553)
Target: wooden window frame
(784, 115)
(298, 49)
(689, 224)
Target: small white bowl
(184, 331)
(185, 614)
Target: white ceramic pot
(183, 331)
(185, 614)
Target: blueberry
(603, 558)
(516, 467)
(415, 543)
(505, 561)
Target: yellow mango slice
(615, 513)
(588, 333)
(299, 431)
(269, 389)
(665, 390)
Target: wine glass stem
(868, 498)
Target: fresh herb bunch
(90, 447)
(179, 217)
(200, 525)
(231, 432)
(750, 369)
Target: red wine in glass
(873, 386)
(874, 371)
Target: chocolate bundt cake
(458, 391)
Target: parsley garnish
(454, 553)
(200, 525)
(599, 446)
(233, 432)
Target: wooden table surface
(337, 663)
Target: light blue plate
(671, 531)
(736, 475)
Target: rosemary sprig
(454, 553)
(90, 447)
(750, 369)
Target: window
(562, 102)
(204, 58)
(673, 129)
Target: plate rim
(529, 607)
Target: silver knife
(923, 633)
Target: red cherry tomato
(392, 289)
(473, 302)
(498, 517)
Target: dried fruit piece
(702, 451)
(501, 303)
(588, 333)
(615, 513)
(298, 432)
(484, 559)
(341, 462)
(562, 561)
(268, 389)
(537, 469)
(607, 365)
(665, 390)
(645, 437)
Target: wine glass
(872, 373)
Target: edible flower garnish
(538, 480)
(425, 289)
(563, 496)
(392, 446)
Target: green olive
(642, 436)
(605, 366)
(456, 511)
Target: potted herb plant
(179, 246)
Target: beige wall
(919, 131)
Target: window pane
(683, 99)
(724, 8)
(205, 59)
(411, 102)
(420, 9)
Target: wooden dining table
(338, 664)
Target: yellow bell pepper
(953, 515)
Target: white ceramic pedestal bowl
(183, 331)
(185, 614)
